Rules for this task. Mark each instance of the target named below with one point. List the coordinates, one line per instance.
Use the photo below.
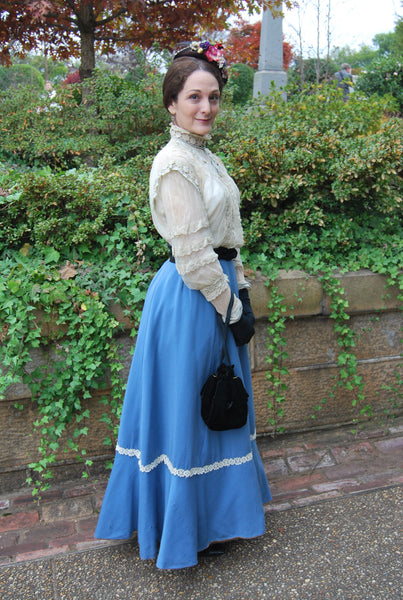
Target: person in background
(344, 80)
(49, 89)
(183, 487)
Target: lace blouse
(195, 208)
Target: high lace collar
(199, 141)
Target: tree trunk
(301, 52)
(328, 32)
(87, 65)
(86, 25)
(45, 61)
(318, 41)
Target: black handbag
(224, 400)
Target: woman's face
(198, 102)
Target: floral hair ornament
(211, 52)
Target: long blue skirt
(178, 484)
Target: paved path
(322, 527)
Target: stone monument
(271, 56)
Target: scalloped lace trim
(184, 248)
(186, 265)
(163, 459)
(210, 292)
(188, 228)
(173, 165)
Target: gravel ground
(341, 549)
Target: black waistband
(223, 253)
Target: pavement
(333, 531)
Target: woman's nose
(205, 105)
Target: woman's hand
(243, 330)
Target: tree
(24, 75)
(79, 27)
(50, 69)
(243, 45)
(398, 43)
(358, 59)
(392, 42)
(240, 83)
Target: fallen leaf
(68, 271)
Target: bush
(384, 76)
(304, 165)
(39, 130)
(240, 84)
(327, 68)
(75, 211)
(116, 118)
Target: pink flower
(215, 53)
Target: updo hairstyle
(183, 65)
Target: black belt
(223, 253)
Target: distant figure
(49, 89)
(344, 80)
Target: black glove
(243, 330)
(246, 307)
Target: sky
(353, 22)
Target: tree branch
(72, 6)
(56, 16)
(113, 16)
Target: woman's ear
(172, 109)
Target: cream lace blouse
(195, 208)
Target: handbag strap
(224, 329)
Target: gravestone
(270, 57)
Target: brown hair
(180, 69)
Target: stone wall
(375, 315)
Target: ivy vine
(347, 376)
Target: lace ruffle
(186, 265)
(173, 165)
(184, 246)
(210, 292)
(199, 141)
(187, 229)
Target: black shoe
(213, 550)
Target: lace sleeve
(187, 230)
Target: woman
(180, 485)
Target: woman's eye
(214, 98)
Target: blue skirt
(178, 484)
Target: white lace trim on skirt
(163, 458)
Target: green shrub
(384, 76)
(74, 209)
(130, 113)
(39, 130)
(301, 163)
(116, 118)
(326, 68)
(240, 84)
